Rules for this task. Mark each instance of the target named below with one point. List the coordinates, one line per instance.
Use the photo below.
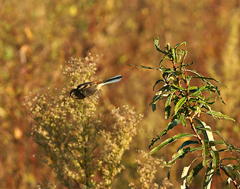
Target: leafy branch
(185, 103)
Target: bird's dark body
(81, 93)
(77, 94)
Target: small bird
(89, 88)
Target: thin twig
(233, 181)
(194, 130)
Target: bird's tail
(111, 80)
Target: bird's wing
(84, 85)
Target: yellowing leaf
(179, 104)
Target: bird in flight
(89, 88)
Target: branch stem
(233, 181)
(195, 130)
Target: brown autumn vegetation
(37, 38)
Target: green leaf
(206, 154)
(188, 79)
(232, 172)
(188, 142)
(199, 90)
(208, 178)
(157, 82)
(180, 154)
(201, 103)
(167, 111)
(215, 159)
(207, 131)
(205, 78)
(219, 115)
(170, 140)
(179, 104)
(165, 88)
(146, 67)
(169, 99)
(156, 98)
(183, 119)
(154, 107)
(170, 125)
(209, 138)
(173, 53)
(168, 106)
(180, 44)
(178, 87)
(215, 143)
(198, 75)
(181, 54)
(194, 172)
(185, 173)
(157, 46)
(193, 88)
(184, 176)
(231, 158)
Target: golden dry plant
(148, 170)
(83, 147)
(229, 70)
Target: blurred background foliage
(38, 37)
